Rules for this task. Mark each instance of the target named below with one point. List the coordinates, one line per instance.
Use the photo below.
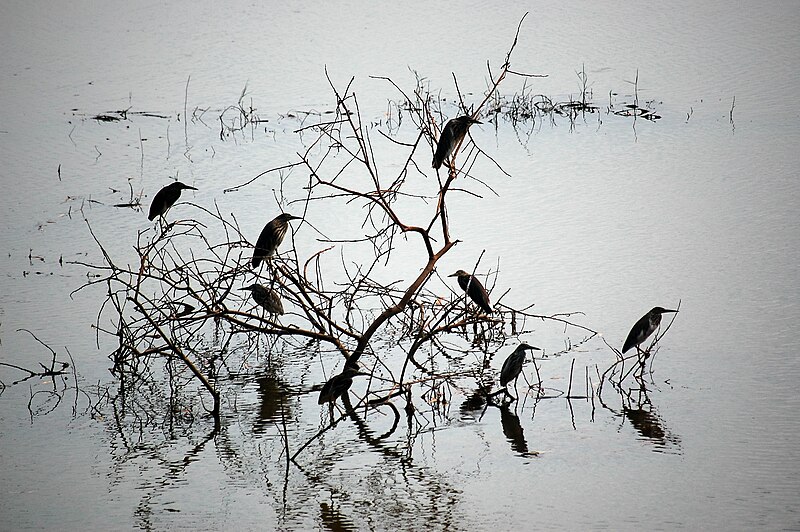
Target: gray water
(609, 218)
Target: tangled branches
(180, 312)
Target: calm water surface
(608, 217)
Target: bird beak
(190, 188)
(667, 310)
(245, 288)
(453, 275)
(473, 121)
(523, 345)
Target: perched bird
(512, 367)
(166, 198)
(268, 299)
(452, 135)
(337, 385)
(271, 237)
(643, 328)
(473, 287)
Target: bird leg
(331, 414)
(510, 397)
(515, 388)
(507, 394)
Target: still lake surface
(609, 217)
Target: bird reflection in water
(475, 402)
(333, 520)
(480, 400)
(638, 410)
(650, 426)
(512, 429)
(273, 395)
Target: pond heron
(166, 198)
(268, 299)
(512, 367)
(452, 135)
(337, 385)
(473, 287)
(271, 237)
(643, 328)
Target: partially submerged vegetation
(184, 328)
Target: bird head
(251, 287)
(526, 346)
(661, 310)
(286, 217)
(181, 186)
(467, 120)
(459, 273)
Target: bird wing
(159, 205)
(443, 147)
(479, 295)
(507, 370)
(153, 210)
(266, 243)
(163, 200)
(637, 334)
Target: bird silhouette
(166, 198)
(474, 288)
(512, 366)
(268, 299)
(452, 135)
(271, 237)
(337, 385)
(643, 328)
